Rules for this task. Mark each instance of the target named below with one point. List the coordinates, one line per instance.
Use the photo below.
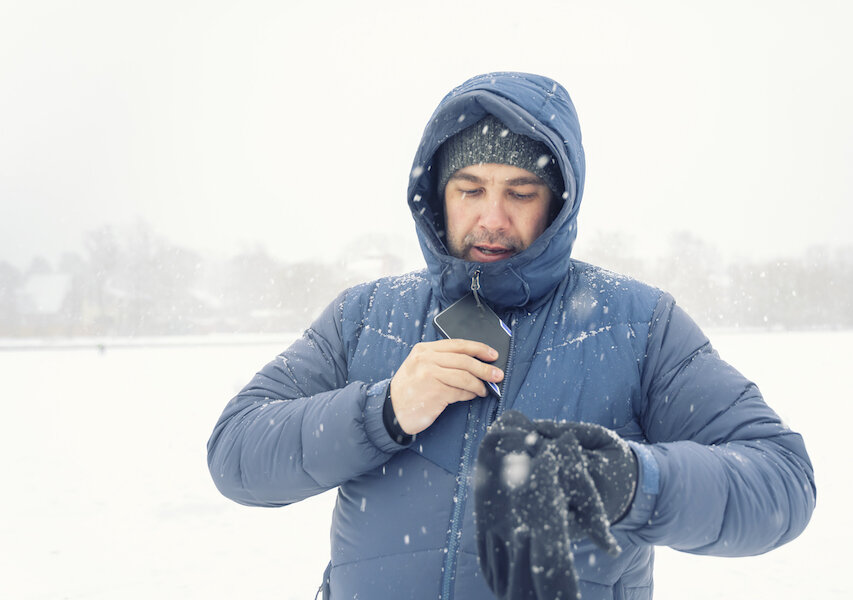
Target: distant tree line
(813, 290)
(133, 283)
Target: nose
(494, 216)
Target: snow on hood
(531, 105)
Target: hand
(538, 486)
(436, 374)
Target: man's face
(494, 211)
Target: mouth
(490, 253)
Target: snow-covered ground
(106, 492)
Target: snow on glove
(538, 486)
(522, 517)
(606, 457)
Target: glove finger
(544, 495)
(590, 515)
(584, 500)
(497, 559)
(485, 539)
(597, 529)
(578, 484)
(552, 570)
(519, 582)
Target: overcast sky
(292, 125)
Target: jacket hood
(528, 104)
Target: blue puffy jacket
(719, 472)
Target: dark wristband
(391, 425)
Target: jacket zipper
(459, 496)
(459, 500)
(499, 407)
(475, 287)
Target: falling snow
(515, 469)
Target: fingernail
(496, 373)
(493, 352)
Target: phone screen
(464, 319)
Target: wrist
(645, 496)
(389, 418)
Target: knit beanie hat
(490, 141)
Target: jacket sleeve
(721, 474)
(300, 427)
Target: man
(371, 401)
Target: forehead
(497, 173)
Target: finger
(452, 395)
(469, 347)
(463, 362)
(462, 381)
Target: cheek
(544, 221)
(454, 220)
(535, 223)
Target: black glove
(537, 487)
(608, 459)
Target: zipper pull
(475, 286)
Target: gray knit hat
(490, 141)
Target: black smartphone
(466, 319)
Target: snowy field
(106, 492)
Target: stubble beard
(462, 249)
